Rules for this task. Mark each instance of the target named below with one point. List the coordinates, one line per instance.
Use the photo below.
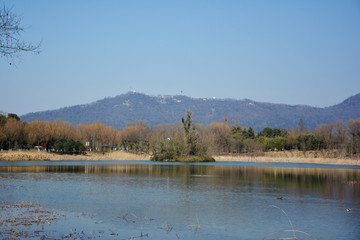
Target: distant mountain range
(130, 107)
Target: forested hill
(130, 107)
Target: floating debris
(167, 227)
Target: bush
(69, 146)
(188, 158)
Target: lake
(147, 200)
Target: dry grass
(289, 157)
(268, 157)
(45, 156)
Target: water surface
(121, 200)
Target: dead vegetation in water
(24, 220)
(28, 220)
(288, 233)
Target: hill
(120, 110)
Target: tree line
(186, 136)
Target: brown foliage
(14, 130)
(219, 135)
(97, 134)
(135, 133)
(2, 136)
(354, 132)
(34, 132)
(324, 132)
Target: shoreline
(265, 159)
(26, 155)
(269, 157)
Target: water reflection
(231, 202)
(336, 183)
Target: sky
(292, 52)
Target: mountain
(130, 107)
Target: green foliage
(2, 120)
(236, 132)
(187, 124)
(136, 146)
(251, 145)
(249, 133)
(69, 146)
(182, 150)
(165, 157)
(190, 134)
(13, 115)
(272, 133)
(237, 140)
(308, 142)
(275, 143)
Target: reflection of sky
(230, 201)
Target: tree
(186, 147)
(135, 137)
(190, 134)
(325, 133)
(237, 139)
(2, 137)
(275, 143)
(11, 44)
(3, 120)
(302, 126)
(220, 136)
(272, 133)
(69, 146)
(354, 133)
(34, 132)
(339, 135)
(308, 141)
(13, 115)
(266, 132)
(14, 130)
(249, 133)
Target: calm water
(119, 200)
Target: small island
(185, 147)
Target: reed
(292, 230)
(195, 226)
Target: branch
(11, 46)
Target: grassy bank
(289, 157)
(45, 156)
(282, 156)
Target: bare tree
(219, 134)
(11, 44)
(354, 133)
(325, 133)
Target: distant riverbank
(291, 157)
(287, 157)
(45, 156)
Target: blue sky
(292, 52)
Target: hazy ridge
(118, 111)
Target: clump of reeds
(195, 227)
(293, 232)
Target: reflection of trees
(337, 183)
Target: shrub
(69, 146)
